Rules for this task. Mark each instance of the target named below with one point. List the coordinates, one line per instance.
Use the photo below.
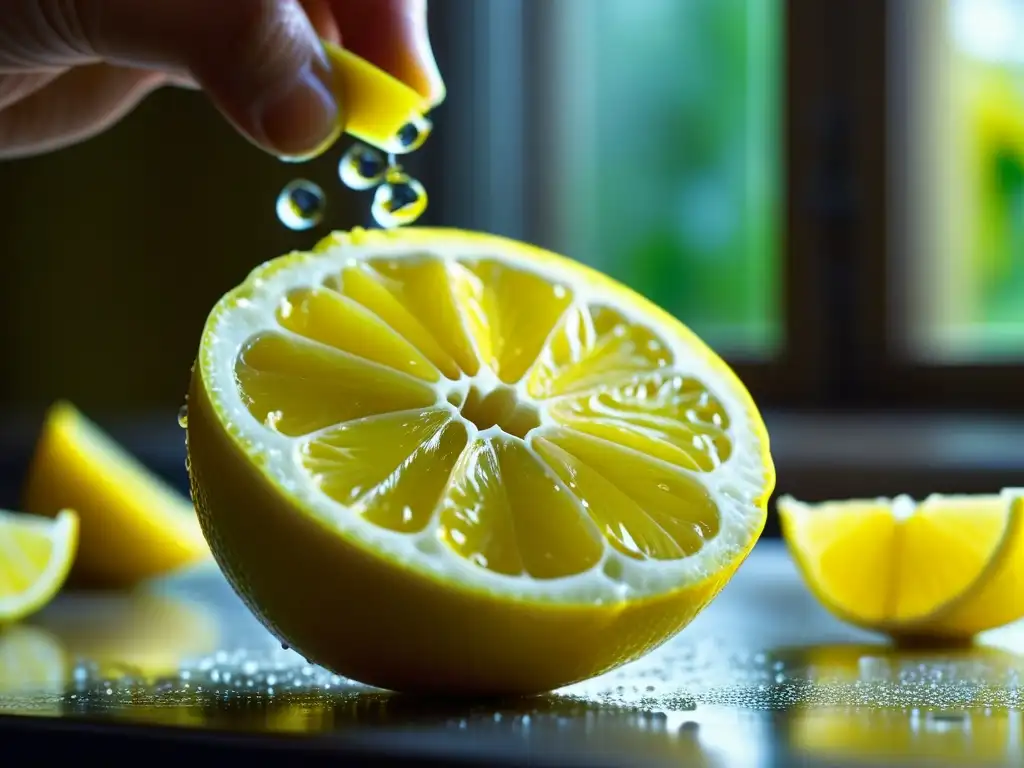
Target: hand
(72, 68)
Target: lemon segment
(903, 567)
(133, 526)
(436, 460)
(998, 598)
(35, 557)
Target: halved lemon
(949, 566)
(134, 526)
(35, 557)
(441, 461)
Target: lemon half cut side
(434, 460)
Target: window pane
(667, 174)
(965, 179)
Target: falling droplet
(183, 416)
(400, 200)
(411, 136)
(300, 206)
(362, 167)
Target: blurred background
(831, 194)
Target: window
(964, 161)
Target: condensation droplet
(183, 416)
(400, 200)
(300, 205)
(362, 167)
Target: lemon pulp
(484, 425)
(36, 554)
(949, 565)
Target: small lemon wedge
(133, 525)
(950, 566)
(379, 109)
(435, 460)
(35, 557)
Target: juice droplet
(183, 416)
(399, 200)
(362, 167)
(300, 206)
(411, 136)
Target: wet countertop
(763, 677)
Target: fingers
(16, 87)
(71, 107)
(393, 35)
(259, 60)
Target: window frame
(880, 371)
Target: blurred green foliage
(687, 187)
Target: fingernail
(303, 119)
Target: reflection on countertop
(763, 677)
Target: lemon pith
(948, 566)
(36, 554)
(431, 459)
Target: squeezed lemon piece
(475, 444)
(903, 567)
(377, 105)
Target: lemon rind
(741, 485)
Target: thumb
(260, 61)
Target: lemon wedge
(949, 566)
(379, 108)
(35, 557)
(133, 525)
(435, 460)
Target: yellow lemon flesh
(950, 566)
(133, 525)
(379, 108)
(433, 460)
(35, 557)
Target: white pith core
(735, 485)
